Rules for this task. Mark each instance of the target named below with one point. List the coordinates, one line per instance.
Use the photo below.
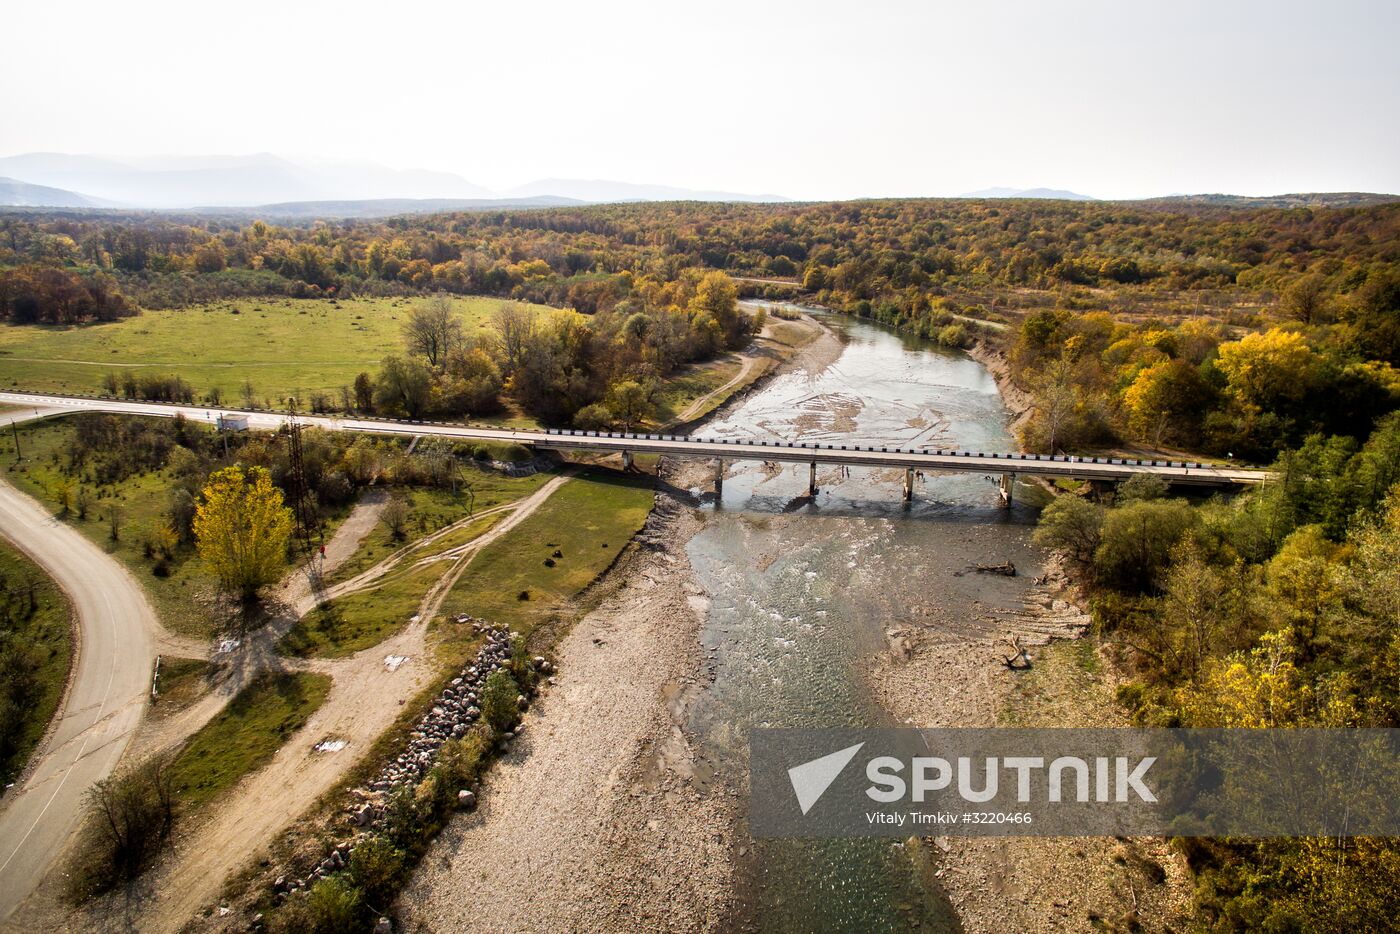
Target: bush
(498, 700)
(333, 906)
(130, 817)
(1071, 525)
(953, 335)
(520, 666)
(460, 760)
(377, 868)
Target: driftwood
(1019, 661)
(1005, 569)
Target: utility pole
(302, 508)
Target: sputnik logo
(810, 780)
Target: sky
(810, 100)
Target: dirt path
(371, 576)
(366, 696)
(592, 823)
(117, 634)
(298, 588)
(744, 376)
(295, 590)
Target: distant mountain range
(385, 207)
(1045, 193)
(599, 191)
(274, 187)
(15, 193)
(1305, 199)
(264, 180)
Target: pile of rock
(455, 711)
(450, 717)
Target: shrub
(498, 700)
(460, 760)
(377, 867)
(333, 906)
(1071, 525)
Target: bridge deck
(850, 454)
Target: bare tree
(433, 330)
(395, 517)
(515, 326)
(134, 811)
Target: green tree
(1071, 525)
(630, 403)
(404, 386)
(1137, 542)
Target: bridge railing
(874, 449)
(675, 439)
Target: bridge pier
(812, 480)
(1006, 486)
(627, 460)
(719, 478)
(908, 484)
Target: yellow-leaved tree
(242, 527)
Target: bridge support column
(908, 484)
(1007, 487)
(719, 477)
(627, 460)
(812, 480)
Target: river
(802, 592)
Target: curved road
(106, 697)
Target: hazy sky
(1112, 98)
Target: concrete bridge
(1007, 467)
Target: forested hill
(873, 250)
(1121, 318)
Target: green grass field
(45, 633)
(185, 598)
(246, 734)
(430, 510)
(588, 521)
(359, 620)
(283, 347)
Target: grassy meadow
(282, 346)
(246, 734)
(520, 580)
(185, 597)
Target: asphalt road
(105, 702)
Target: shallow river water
(801, 593)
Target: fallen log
(1005, 569)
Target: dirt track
(365, 698)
